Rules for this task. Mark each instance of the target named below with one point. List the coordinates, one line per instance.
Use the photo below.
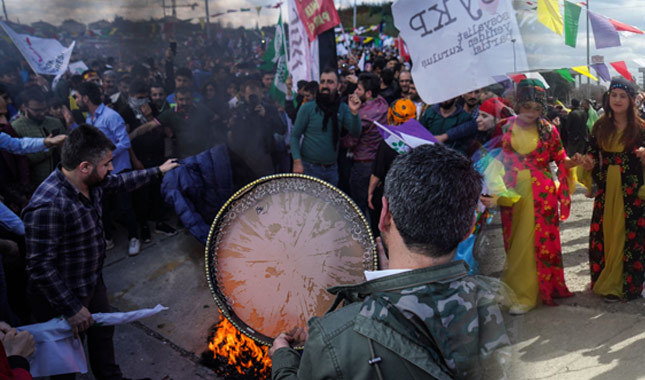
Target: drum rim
(211, 278)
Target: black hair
(33, 93)
(184, 90)
(370, 82)
(388, 76)
(311, 87)
(329, 69)
(184, 72)
(575, 103)
(138, 86)
(157, 85)
(301, 84)
(379, 63)
(85, 143)
(432, 193)
(92, 90)
(139, 71)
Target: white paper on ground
(58, 352)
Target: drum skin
(277, 245)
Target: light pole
(4, 9)
(208, 21)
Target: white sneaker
(519, 309)
(135, 246)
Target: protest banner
(44, 55)
(301, 61)
(459, 46)
(317, 16)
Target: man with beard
(36, 123)
(158, 97)
(421, 316)
(253, 125)
(109, 84)
(363, 148)
(413, 95)
(405, 79)
(320, 123)
(191, 126)
(471, 102)
(65, 246)
(113, 126)
(450, 124)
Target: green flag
(270, 57)
(278, 89)
(571, 18)
(564, 73)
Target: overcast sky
(545, 48)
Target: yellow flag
(202, 22)
(558, 102)
(113, 31)
(584, 70)
(549, 15)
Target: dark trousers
(359, 181)
(119, 205)
(99, 339)
(148, 204)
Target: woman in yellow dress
(530, 225)
(615, 159)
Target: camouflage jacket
(437, 322)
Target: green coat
(43, 163)
(435, 322)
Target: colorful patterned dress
(531, 225)
(617, 237)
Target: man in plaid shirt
(65, 242)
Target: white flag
(459, 46)
(302, 64)
(45, 55)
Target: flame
(242, 352)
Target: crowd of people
(86, 155)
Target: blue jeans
(326, 173)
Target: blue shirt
(25, 145)
(112, 125)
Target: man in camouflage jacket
(424, 317)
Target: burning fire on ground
(233, 355)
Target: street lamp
(514, 60)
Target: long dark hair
(604, 129)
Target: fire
(236, 355)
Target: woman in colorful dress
(615, 159)
(531, 221)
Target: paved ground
(582, 339)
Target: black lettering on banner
(469, 10)
(441, 14)
(422, 26)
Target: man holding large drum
(422, 316)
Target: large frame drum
(276, 246)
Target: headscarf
(496, 107)
(531, 90)
(623, 84)
(401, 111)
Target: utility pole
(588, 79)
(174, 10)
(4, 9)
(163, 5)
(354, 14)
(208, 21)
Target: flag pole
(588, 79)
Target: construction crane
(173, 5)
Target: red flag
(621, 67)
(403, 48)
(517, 77)
(624, 27)
(317, 16)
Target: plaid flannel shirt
(64, 236)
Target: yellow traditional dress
(617, 233)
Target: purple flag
(602, 70)
(604, 32)
(406, 136)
